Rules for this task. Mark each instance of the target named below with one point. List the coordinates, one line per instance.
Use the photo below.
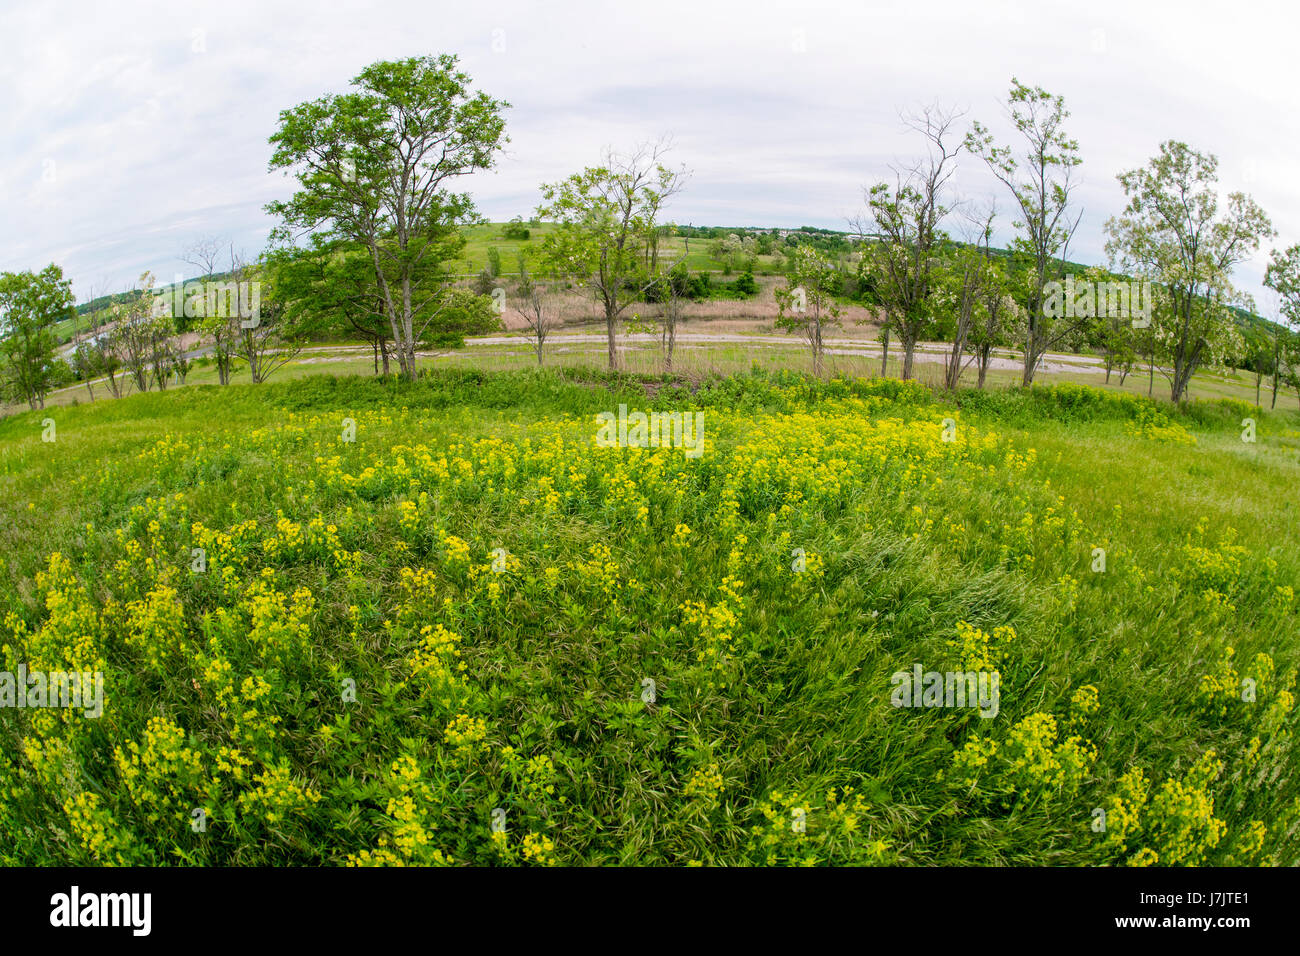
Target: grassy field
(696, 359)
(695, 252)
(358, 621)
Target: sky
(130, 130)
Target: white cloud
(155, 115)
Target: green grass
(335, 566)
(474, 258)
(696, 360)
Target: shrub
(515, 229)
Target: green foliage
(1172, 231)
(607, 220)
(374, 167)
(699, 286)
(357, 675)
(456, 314)
(745, 284)
(31, 303)
(515, 229)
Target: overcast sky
(129, 130)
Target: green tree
(140, 320)
(969, 293)
(31, 303)
(607, 217)
(1172, 232)
(461, 313)
(87, 362)
(1283, 277)
(1040, 181)
(1257, 355)
(375, 167)
(332, 294)
(806, 304)
(902, 224)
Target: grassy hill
(359, 621)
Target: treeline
(367, 249)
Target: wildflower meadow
(356, 622)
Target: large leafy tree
(607, 231)
(375, 167)
(1176, 232)
(1040, 180)
(31, 303)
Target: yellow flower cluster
(538, 849)
(465, 732)
(979, 650)
(162, 774)
(1029, 763)
(277, 795)
(411, 819)
(1182, 826)
(716, 626)
(705, 785)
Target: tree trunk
(952, 370)
(408, 326)
(670, 342)
(610, 319)
(1027, 377)
(884, 353)
(817, 348)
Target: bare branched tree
(534, 308)
(902, 230)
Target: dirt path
(929, 352)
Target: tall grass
(457, 613)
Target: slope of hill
(356, 621)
